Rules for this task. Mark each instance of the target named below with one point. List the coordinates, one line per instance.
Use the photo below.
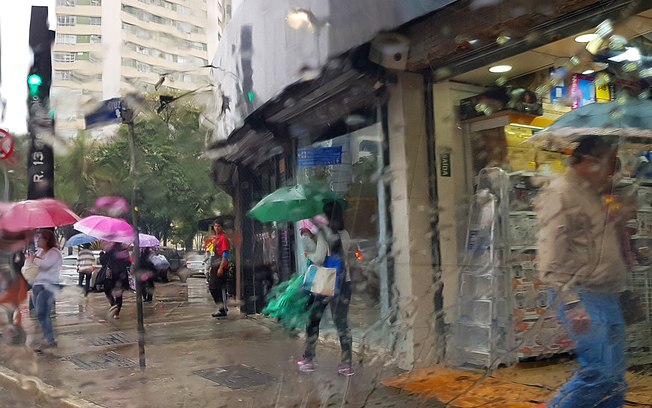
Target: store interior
(517, 97)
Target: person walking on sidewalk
(117, 277)
(331, 238)
(218, 267)
(148, 273)
(579, 250)
(85, 262)
(46, 284)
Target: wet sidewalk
(192, 360)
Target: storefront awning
(261, 54)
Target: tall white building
(106, 48)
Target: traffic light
(40, 124)
(34, 82)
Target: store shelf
(523, 247)
(637, 236)
(642, 268)
(522, 213)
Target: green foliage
(174, 186)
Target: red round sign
(6, 145)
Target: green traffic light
(34, 80)
(250, 96)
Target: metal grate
(101, 361)
(112, 339)
(236, 377)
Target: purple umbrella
(147, 241)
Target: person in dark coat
(117, 277)
(148, 274)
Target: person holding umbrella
(85, 261)
(331, 238)
(117, 278)
(46, 284)
(581, 258)
(148, 273)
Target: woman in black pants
(334, 239)
(148, 274)
(117, 279)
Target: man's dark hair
(86, 246)
(595, 146)
(219, 221)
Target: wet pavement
(192, 359)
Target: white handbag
(320, 280)
(29, 272)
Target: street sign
(109, 112)
(319, 156)
(6, 145)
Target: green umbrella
(293, 203)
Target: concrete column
(453, 191)
(411, 215)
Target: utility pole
(128, 119)
(40, 123)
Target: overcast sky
(16, 58)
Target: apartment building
(107, 48)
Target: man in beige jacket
(581, 257)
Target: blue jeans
(43, 302)
(600, 379)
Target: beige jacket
(578, 243)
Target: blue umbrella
(79, 239)
(627, 118)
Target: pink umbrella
(106, 228)
(32, 214)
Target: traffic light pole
(40, 124)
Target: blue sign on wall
(319, 156)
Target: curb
(35, 387)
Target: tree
(175, 189)
(74, 175)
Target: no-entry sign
(6, 145)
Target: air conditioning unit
(390, 50)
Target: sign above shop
(319, 156)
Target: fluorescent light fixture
(584, 38)
(300, 18)
(497, 69)
(630, 54)
(588, 72)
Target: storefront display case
(501, 141)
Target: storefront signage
(445, 164)
(319, 156)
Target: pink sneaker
(306, 365)
(345, 369)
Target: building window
(142, 50)
(96, 39)
(67, 3)
(96, 21)
(66, 20)
(142, 67)
(64, 57)
(66, 39)
(62, 75)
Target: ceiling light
(584, 38)
(630, 54)
(588, 72)
(497, 69)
